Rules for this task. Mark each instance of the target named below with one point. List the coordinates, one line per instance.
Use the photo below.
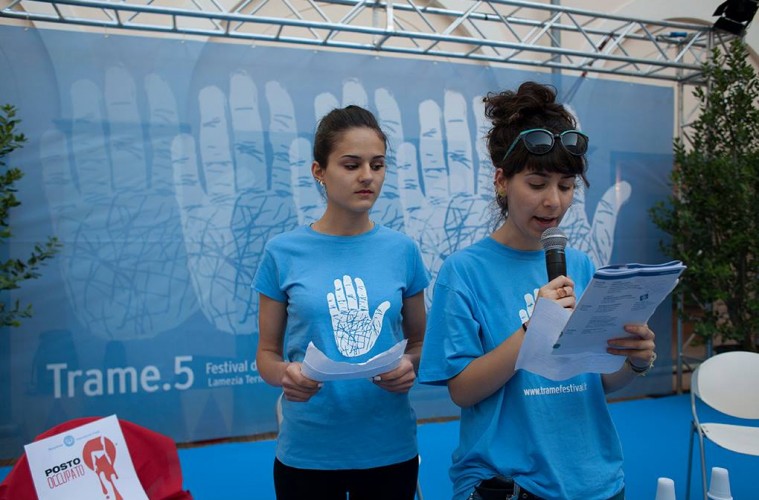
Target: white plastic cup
(665, 489)
(719, 486)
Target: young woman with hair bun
(522, 435)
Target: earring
(319, 181)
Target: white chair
(729, 384)
(278, 412)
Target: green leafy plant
(713, 214)
(14, 271)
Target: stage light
(735, 15)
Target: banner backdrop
(164, 165)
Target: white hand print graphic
(355, 331)
(529, 301)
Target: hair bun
(514, 117)
(540, 94)
(531, 105)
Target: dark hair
(533, 105)
(338, 121)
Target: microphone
(554, 240)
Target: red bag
(154, 457)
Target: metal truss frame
(484, 31)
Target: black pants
(500, 488)
(397, 482)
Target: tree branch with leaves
(14, 271)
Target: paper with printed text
(562, 343)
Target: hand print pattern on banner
(112, 205)
(446, 206)
(595, 238)
(234, 197)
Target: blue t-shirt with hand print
(345, 294)
(556, 439)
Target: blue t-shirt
(556, 439)
(344, 294)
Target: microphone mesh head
(553, 238)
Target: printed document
(562, 343)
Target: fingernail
(376, 378)
(320, 385)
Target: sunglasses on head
(540, 141)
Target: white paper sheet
(538, 355)
(317, 366)
(561, 343)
